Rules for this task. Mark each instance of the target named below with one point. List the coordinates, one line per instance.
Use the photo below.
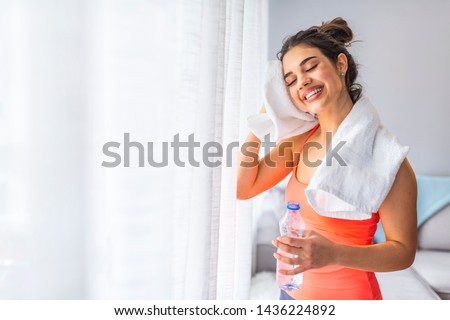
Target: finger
(288, 260)
(293, 242)
(294, 271)
(286, 248)
(289, 249)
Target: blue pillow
(433, 195)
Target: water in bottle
(291, 225)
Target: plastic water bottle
(291, 225)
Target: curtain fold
(163, 82)
(226, 43)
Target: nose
(303, 81)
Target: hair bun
(338, 29)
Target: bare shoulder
(403, 194)
(405, 184)
(398, 212)
(293, 144)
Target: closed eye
(307, 70)
(312, 68)
(291, 83)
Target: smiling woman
(326, 53)
(336, 253)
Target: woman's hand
(312, 250)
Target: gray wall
(404, 65)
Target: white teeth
(310, 94)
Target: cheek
(330, 78)
(325, 75)
(293, 93)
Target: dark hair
(331, 38)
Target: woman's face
(313, 81)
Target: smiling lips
(311, 94)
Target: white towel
(372, 155)
(282, 118)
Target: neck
(331, 118)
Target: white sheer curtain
(75, 75)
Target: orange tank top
(334, 282)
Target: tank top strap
(303, 144)
(309, 136)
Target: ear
(342, 63)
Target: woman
(336, 255)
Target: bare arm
(258, 175)
(398, 215)
(399, 219)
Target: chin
(314, 108)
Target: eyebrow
(301, 64)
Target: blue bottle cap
(292, 205)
